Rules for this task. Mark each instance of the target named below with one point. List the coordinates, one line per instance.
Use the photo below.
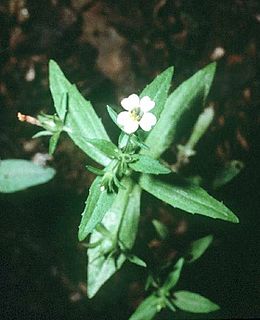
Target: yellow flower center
(136, 114)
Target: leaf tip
(80, 236)
(170, 70)
(231, 217)
(234, 219)
(90, 294)
(52, 63)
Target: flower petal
(148, 121)
(126, 122)
(123, 118)
(131, 102)
(131, 126)
(146, 104)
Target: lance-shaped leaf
(161, 229)
(189, 197)
(106, 147)
(173, 276)
(97, 205)
(136, 260)
(200, 127)
(53, 142)
(121, 221)
(158, 89)
(42, 133)
(96, 171)
(129, 223)
(113, 115)
(81, 121)
(193, 302)
(147, 309)
(177, 106)
(147, 164)
(197, 248)
(17, 174)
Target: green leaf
(81, 121)
(197, 248)
(158, 89)
(147, 309)
(137, 139)
(123, 139)
(177, 106)
(97, 171)
(161, 229)
(136, 260)
(174, 276)
(229, 172)
(16, 175)
(113, 115)
(187, 196)
(107, 147)
(170, 305)
(122, 221)
(150, 282)
(129, 223)
(97, 205)
(147, 164)
(200, 127)
(193, 302)
(42, 134)
(53, 142)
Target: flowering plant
(148, 127)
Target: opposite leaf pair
(163, 295)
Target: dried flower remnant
(25, 118)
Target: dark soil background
(111, 49)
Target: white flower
(137, 114)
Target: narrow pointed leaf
(158, 89)
(200, 127)
(147, 309)
(42, 134)
(53, 142)
(146, 164)
(136, 260)
(161, 229)
(102, 265)
(97, 205)
(97, 171)
(193, 302)
(170, 305)
(137, 139)
(189, 197)
(107, 147)
(177, 106)
(129, 225)
(123, 139)
(16, 175)
(113, 115)
(197, 248)
(81, 121)
(173, 276)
